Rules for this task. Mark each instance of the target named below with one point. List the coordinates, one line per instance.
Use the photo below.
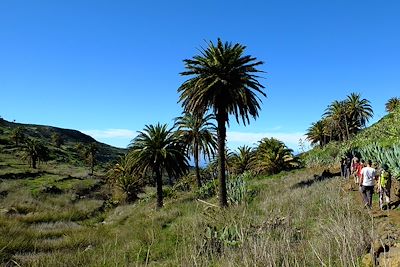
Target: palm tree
(18, 135)
(198, 134)
(122, 176)
(316, 133)
(243, 159)
(35, 151)
(358, 110)
(224, 80)
(336, 112)
(274, 156)
(392, 104)
(89, 153)
(157, 149)
(57, 139)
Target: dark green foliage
(208, 190)
(199, 135)
(225, 81)
(122, 176)
(57, 139)
(157, 149)
(341, 120)
(392, 104)
(89, 153)
(18, 135)
(243, 160)
(273, 156)
(35, 151)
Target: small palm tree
(199, 135)
(316, 133)
(336, 113)
(243, 159)
(225, 81)
(274, 156)
(89, 153)
(18, 135)
(35, 151)
(157, 149)
(392, 104)
(57, 139)
(122, 176)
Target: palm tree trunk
(221, 159)
(196, 164)
(159, 188)
(347, 127)
(34, 160)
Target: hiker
(384, 184)
(360, 166)
(368, 176)
(354, 163)
(347, 168)
(342, 167)
(356, 170)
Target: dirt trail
(385, 248)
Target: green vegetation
(157, 149)
(379, 142)
(198, 134)
(271, 212)
(225, 81)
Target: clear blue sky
(110, 67)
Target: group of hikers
(365, 174)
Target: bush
(207, 190)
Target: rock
(367, 261)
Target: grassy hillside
(292, 219)
(58, 215)
(67, 152)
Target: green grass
(281, 224)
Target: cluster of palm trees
(341, 120)
(222, 82)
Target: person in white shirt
(368, 177)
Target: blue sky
(107, 68)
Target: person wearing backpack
(384, 184)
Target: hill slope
(67, 152)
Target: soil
(385, 248)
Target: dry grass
(284, 225)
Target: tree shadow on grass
(326, 174)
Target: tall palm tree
(243, 159)
(274, 156)
(336, 112)
(157, 149)
(316, 133)
(392, 104)
(358, 110)
(199, 135)
(225, 81)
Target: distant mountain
(69, 151)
